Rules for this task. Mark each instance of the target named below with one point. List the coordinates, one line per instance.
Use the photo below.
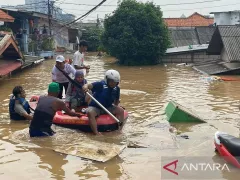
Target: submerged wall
(190, 57)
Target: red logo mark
(170, 170)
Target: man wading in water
(78, 58)
(46, 108)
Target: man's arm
(71, 69)
(68, 93)
(87, 87)
(117, 100)
(79, 67)
(53, 75)
(61, 106)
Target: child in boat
(75, 96)
(19, 108)
(107, 93)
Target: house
(35, 27)
(41, 6)
(9, 50)
(225, 44)
(193, 20)
(226, 17)
(9, 53)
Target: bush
(47, 43)
(136, 34)
(4, 28)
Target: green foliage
(4, 28)
(136, 34)
(32, 46)
(47, 43)
(92, 36)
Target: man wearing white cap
(58, 76)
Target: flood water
(145, 92)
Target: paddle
(96, 101)
(75, 83)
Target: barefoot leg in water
(119, 112)
(92, 113)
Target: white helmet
(112, 74)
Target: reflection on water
(145, 93)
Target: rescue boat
(105, 122)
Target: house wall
(60, 34)
(224, 55)
(227, 18)
(190, 57)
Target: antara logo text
(195, 167)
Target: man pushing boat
(45, 111)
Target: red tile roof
(194, 20)
(5, 17)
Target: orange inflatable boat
(105, 122)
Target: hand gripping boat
(228, 147)
(105, 122)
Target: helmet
(112, 74)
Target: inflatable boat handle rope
(79, 85)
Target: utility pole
(49, 18)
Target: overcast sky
(201, 6)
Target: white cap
(60, 58)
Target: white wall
(227, 18)
(60, 34)
(235, 17)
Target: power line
(173, 9)
(91, 10)
(87, 13)
(187, 3)
(203, 7)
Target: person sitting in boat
(19, 108)
(58, 76)
(106, 92)
(75, 96)
(45, 111)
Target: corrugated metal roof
(193, 36)
(183, 37)
(205, 34)
(211, 69)
(231, 40)
(186, 48)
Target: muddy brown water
(145, 91)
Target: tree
(92, 36)
(136, 34)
